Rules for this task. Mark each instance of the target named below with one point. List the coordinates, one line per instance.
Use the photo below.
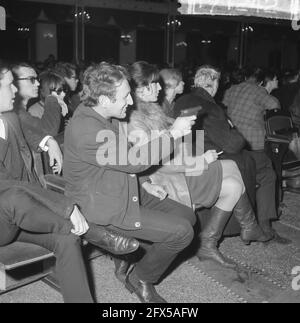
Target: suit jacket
(218, 132)
(15, 156)
(36, 129)
(16, 168)
(107, 193)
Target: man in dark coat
(103, 177)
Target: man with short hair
(108, 192)
(247, 103)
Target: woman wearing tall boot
(217, 184)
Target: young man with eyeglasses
(27, 83)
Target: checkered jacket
(246, 105)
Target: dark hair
(50, 81)
(4, 68)
(256, 73)
(268, 76)
(65, 69)
(16, 68)
(170, 74)
(102, 79)
(290, 76)
(143, 74)
(237, 76)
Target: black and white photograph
(149, 154)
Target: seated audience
(113, 192)
(29, 213)
(219, 185)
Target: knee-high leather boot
(210, 236)
(250, 230)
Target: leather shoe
(110, 240)
(145, 291)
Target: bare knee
(231, 171)
(233, 188)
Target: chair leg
(3, 280)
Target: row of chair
(280, 132)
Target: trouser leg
(169, 225)
(70, 267)
(247, 167)
(24, 211)
(265, 194)
(8, 231)
(250, 230)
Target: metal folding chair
(280, 131)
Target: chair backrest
(278, 122)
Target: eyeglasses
(60, 90)
(32, 79)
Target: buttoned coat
(108, 194)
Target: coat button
(135, 199)
(137, 224)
